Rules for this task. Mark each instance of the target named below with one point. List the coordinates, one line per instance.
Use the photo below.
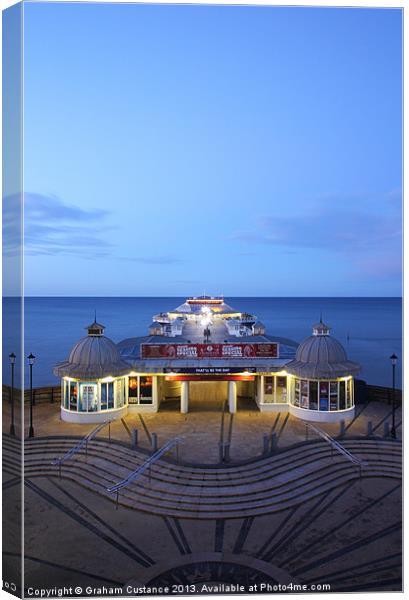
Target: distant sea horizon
(369, 327)
(196, 295)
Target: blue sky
(239, 150)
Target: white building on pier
(206, 350)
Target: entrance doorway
(170, 392)
(246, 396)
(207, 395)
(187, 393)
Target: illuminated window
(323, 395)
(73, 395)
(304, 400)
(333, 395)
(140, 389)
(281, 389)
(324, 390)
(342, 396)
(119, 393)
(297, 392)
(107, 395)
(65, 400)
(133, 390)
(348, 385)
(313, 395)
(145, 390)
(269, 386)
(88, 397)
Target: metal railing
(134, 475)
(84, 442)
(338, 447)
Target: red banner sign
(198, 351)
(209, 378)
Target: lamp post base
(31, 432)
(12, 430)
(393, 433)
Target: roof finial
(95, 328)
(320, 328)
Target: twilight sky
(172, 150)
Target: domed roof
(320, 356)
(93, 357)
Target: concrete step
(220, 488)
(204, 473)
(231, 479)
(61, 447)
(221, 495)
(212, 511)
(263, 467)
(277, 460)
(263, 486)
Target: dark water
(369, 328)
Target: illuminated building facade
(206, 350)
(94, 380)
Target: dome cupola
(321, 356)
(95, 328)
(320, 329)
(94, 356)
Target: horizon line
(224, 296)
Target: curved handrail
(337, 446)
(134, 475)
(81, 443)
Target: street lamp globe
(394, 359)
(12, 358)
(31, 358)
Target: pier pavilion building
(206, 350)
(94, 379)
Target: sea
(370, 329)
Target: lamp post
(394, 360)
(12, 358)
(31, 359)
